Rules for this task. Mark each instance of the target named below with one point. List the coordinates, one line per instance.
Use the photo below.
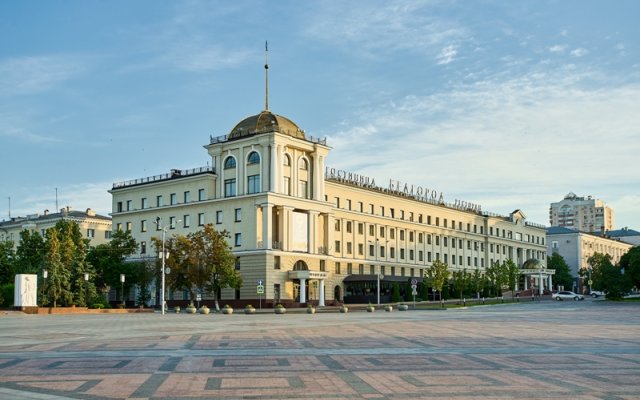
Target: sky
(505, 104)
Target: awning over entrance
(374, 278)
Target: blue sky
(507, 104)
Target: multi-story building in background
(582, 214)
(625, 234)
(576, 248)
(96, 228)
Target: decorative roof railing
(175, 173)
(243, 134)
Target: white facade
(304, 229)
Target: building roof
(624, 232)
(560, 230)
(265, 122)
(64, 213)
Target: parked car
(566, 295)
(597, 293)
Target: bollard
(464, 302)
(442, 302)
(482, 299)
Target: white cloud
(558, 48)
(514, 143)
(28, 75)
(447, 55)
(579, 52)
(378, 28)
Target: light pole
(379, 276)
(45, 274)
(86, 288)
(122, 288)
(163, 256)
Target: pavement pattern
(570, 350)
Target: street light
(162, 255)
(86, 288)
(379, 276)
(122, 288)
(45, 274)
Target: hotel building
(312, 233)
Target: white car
(597, 293)
(566, 295)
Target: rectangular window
(337, 225)
(381, 251)
(437, 240)
(129, 208)
(382, 269)
(392, 233)
(410, 255)
(200, 219)
(382, 210)
(445, 241)
(420, 255)
(428, 256)
(159, 201)
(337, 246)
(453, 260)
(372, 230)
(453, 243)
(337, 266)
(392, 252)
(437, 221)
(370, 208)
(372, 269)
(361, 269)
(402, 254)
(172, 222)
(337, 202)
(186, 219)
(237, 262)
(238, 214)
(393, 271)
(349, 269)
(144, 203)
(323, 268)
(238, 240)
(428, 219)
(201, 195)
(428, 238)
(107, 234)
(411, 236)
(287, 186)
(360, 228)
(420, 238)
(348, 204)
(253, 184)
(143, 225)
(349, 226)
(382, 231)
(129, 226)
(230, 187)
(360, 206)
(372, 250)
(218, 217)
(303, 189)
(276, 262)
(91, 233)
(445, 222)
(187, 196)
(143, 247)
(360, 249)
(446, 258)
(119, 206)
(173, 198)
(349, 248)
(401, 234)
(392, 211)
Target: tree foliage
(7, 262)
(201, 261)
(30, 253)
(563, 275)
(438, 275)
(608, 277)
(630, 263)
(109, 261)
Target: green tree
(438, 275)
(492, 274)
(630, 263)
(563, 276)
(395, 293)
(73, 255)
(57, 287)
(201, 261)
(30, 253)
(511, 271)
(476, 282)
(608, 277)
(460, 279)
(7, 262)
(109, 261)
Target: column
(526, 282)
(316, 176)
(303, 290)
(267, 237)
(287, 228)
(313, 232)
(273, 171)
(321, 298)
(540, 283)
(550, 282)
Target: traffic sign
(414, 281)
(590, 282)
(414, 292)
(260, 282)
(260, 289)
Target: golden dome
(265, 122)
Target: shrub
(395, 293)
(6, 294)
(97, 306)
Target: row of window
(446, 223)
(173, 200)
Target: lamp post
(45, 274)
(86, 288)
(122, 288)
(379, 276)
(164, 257)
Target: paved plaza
(569, 350)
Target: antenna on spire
(266, 76)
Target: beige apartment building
(312, 233)
(582, 214)
(96, 228)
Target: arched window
(300, 266)
(229, 163)
(304, 164)
(254, 158)
(286, 160)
